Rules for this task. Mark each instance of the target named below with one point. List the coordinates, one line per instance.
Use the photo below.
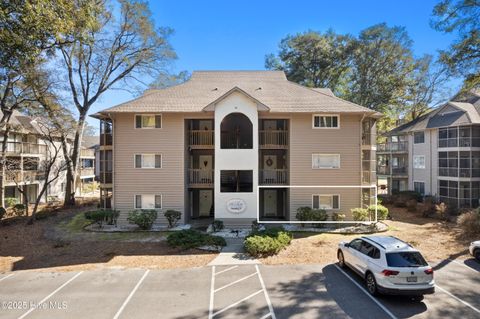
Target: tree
(463, 57)
(314, 59)
(165, 80)
(120, 49)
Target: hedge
(186, 239)
(382, 212)
(268, 242)
(143, 218)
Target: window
(356, 244)
(320, 161)
(418, 161)
(419, 137)
(236, 132)
(369, 250)
(148, 161)
(148, 201)
(419, 187)
(148, 121)
(236, 181)
(325, 201)
(326, 121)
(405, 259)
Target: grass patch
(76, 224)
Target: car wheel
(341, 259)
(371, 284)
(476, 254)
(417, 298)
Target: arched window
(236, 132)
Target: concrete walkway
(233, 254)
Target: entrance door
(270, 202)
(206, 202)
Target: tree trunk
(72, 169)
(3, 160)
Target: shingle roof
(270, 88)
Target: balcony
(392, 147)
(18, 148)
(201, 139)
(87, 153)
(273, 177)
(87, 171)
(368, 139)
(106, 177)
(200, 178)
(24, 177)
(394, 171)
(273, 139)
(369, 177)
(106, 139)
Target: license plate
(412, 279)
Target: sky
(236, 35)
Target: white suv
(388, 265)
(475, 249)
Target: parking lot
(248, 291)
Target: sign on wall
(236, 205)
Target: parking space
(242, 291)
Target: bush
(19, 209)
(217, 225)
(172, 216)
(442, 210)
(190, 238)
(382, 212)
(411, 205)
(143, 218)
(268, 242)
(407, 195)
(108, 216)
(360, 214)
(10, 201)
(469, 222)
(338, 217)
(3, 212)
(428, 206)
(255, 226)
(308, 214)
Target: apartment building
(26, 152)
(437, 154)
(229, 144)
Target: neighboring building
(437, 154)
(204, 147)
(88, 162)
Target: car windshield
(405, 259)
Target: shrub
(268, 242)
(428, 206)
(407, 195)
(217, 225)
(172, 216)
(385, 199)
(442, 210)
(411, 205)
(469, 222)
(19, 209)
(382, 212)
(255, 226)
(190, 238)
(10, 201)
(308, 214)
(338, 217)
(143, 218)
(108, 216)
(3, 212)
(360, 214)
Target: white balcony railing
(273, 176)
(200, 177)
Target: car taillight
(429, 271)
(387, 272)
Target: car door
(353, 252)
(367, 251)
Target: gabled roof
(269, 88)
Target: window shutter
(138, 121)
(316, 201)
(138, 161)
(158, 161)
(138, 201)
(158, 121)
(158, 201)
(336, 203)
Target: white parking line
(391, 315)
(235, 282)
(236, 303)
(225, 270)
(8, 276)
(270, 307)
(212, 292)
(50, 295)
(462, 264)
(119, 312)
(458, 299)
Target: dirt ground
(58, 243)
(437, 240)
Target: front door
(206, 202)
(270, 202)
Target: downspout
(113, 161)
(361, 161)
(431, 162)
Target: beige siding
(168, 181)
(304, 141)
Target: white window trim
(339, 161)
(331, 195)
(423, 138)
(141, 154)
(148, 128)
(424, 161)
(135, 201)
(325, 128)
